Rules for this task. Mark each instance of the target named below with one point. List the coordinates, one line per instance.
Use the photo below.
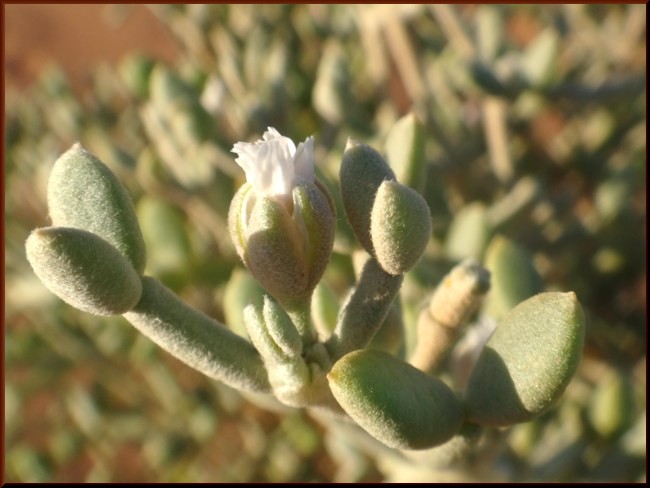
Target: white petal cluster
(273, 165)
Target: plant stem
(365, 310)
(199, 341)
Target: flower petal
(277, 167)
(272, 134)
(273, 166)
(304, 161)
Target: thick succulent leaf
(83, 270)
(396, 403)
(528, 361)
(83, 193)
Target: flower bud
(282, 220)
(400, 227)
(396, 403)
(83, 270)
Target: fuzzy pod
(528, 361)
(394, 402)
(83, 270)
(362, 172)
(400, 227)
(82, 192)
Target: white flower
(273, 165)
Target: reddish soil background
(77, 38)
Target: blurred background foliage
(534, 123)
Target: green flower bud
(400, 227)
(83, 193)
(83, 270)
(362, 172)
(274, 253)
(286, 252)
(528, 361)
(282, 220)
(395, 402)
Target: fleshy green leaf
(83, 193)
(242, 290)
(540, 58)
(83, 270)
(405, 152)
(469, 233)
(281, 330)
(400, 227)
(324, 309)
(396, 403)
(514, 277)
(362, 171)
(528, 361)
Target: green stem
(365, 310)
(199, 341)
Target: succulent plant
(443, 282)
(282, 224)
